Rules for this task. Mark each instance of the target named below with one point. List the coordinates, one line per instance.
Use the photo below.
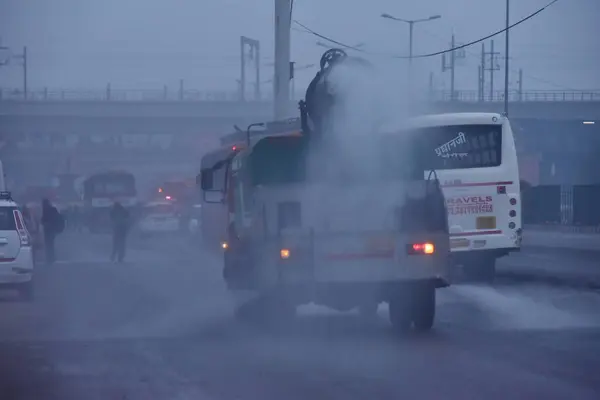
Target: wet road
(160, 327)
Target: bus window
(459, 146)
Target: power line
(437, 53)
(532, 77)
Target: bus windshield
(459, 146)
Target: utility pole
(520, 84)
(293, 80)
(7, 60)
(281, 79)
(23, 58)
(493, 66)
(482, 74)
(243, 70)
(452, 65)
(254, 55)
(431, 89)
(479, 83)
(506, 48)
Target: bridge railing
(165, 94)
(515, 96)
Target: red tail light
(421, 248)
(21, 229)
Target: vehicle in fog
(309, 223)
(159, 217)
(475, 158)
(101, 191)
(181, 192)
(365, 235)
(214, 214)
(194, 222)
(16, 252)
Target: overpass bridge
(153, 129)
(215, 109)
(110, 112)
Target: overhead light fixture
(589, 122)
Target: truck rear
(338, 236)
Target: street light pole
(506, 64)
(411, 24)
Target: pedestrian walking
(120, 225)
(53, 224)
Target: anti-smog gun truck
(308, 225)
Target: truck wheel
(400, 315)
(26, 291)
(423, 305)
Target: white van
(475, 159)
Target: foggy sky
(145, 44)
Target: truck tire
(400, 314)
(423, 308)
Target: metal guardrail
(109, 94)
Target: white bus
(475, 159)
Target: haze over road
(161, 327)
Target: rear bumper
(18, 271)
(498, 244)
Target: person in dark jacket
(120, 224)
(50, 222)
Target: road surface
(160, 327)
